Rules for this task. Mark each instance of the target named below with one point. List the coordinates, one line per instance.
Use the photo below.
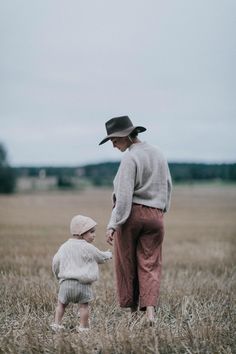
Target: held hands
(110, 236)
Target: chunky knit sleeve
(123, 188)
(100, 256)
(169, 189)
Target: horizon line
(46, 165)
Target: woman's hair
(134, 134)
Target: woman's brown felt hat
(120, 127)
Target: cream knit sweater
(144, 178)
(78, 259)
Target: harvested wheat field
(196, 313)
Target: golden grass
(197, 304)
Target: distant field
(197, 306)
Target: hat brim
(89, 227)
(123, 133)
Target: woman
(142, 190)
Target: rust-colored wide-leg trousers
(138, 257)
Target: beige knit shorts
(72, 290)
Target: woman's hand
(110, 236)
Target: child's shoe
(56, 327)
(82, 329)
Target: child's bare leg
(84, 315)
(60, 310)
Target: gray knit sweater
(143, 177)
(78, 259)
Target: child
(75, 265)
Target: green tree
(7, 175)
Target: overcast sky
(66, 67)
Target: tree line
(102, 174)
(7, 174)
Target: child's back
(78, 259)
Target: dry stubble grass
(197, 306)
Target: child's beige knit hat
(81, 224)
